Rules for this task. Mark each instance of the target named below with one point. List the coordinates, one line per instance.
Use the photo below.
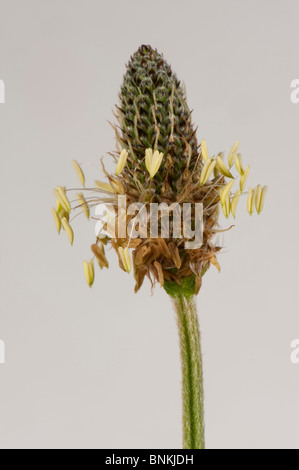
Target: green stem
(192, 383)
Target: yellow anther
(234, 202)
(207, 170)
(260, 198)
(89, 272)
(223, 168)
(225, 192)
(125, 258)
(68, 229)
(104, 187)
(56, 220)
(226, 207)
(79, 172)
(204, 150)
(250, 201)
(83, 204)
(232, 153)
(121, 162)
(238, 164)
(62, 198)
(153, 161)
(244, 177)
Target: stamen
(83, 204)
(56, 220)
(238, 164)
(79, 172)
(204, 150)
(232, 153)
(225, 191)
(62, 198)
(234, 202)
(223, 168)
(207, 171)
(244, 177)
(89, 272)
(125, 257)
(68, 229)
(153, 161)
(104, 186)
(121, 162)
(250, 201)
(262, 198)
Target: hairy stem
(192, 375)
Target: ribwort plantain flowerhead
(158, 161)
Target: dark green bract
(154, 114)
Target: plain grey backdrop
(101, 368)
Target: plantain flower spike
(158, 159)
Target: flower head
(158, 161)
